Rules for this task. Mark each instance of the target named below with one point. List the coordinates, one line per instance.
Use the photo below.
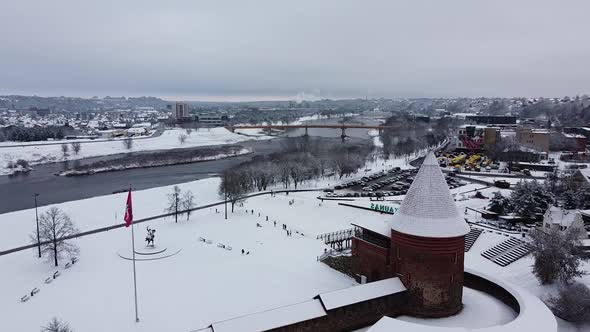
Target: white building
(559, 219)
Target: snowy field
(168, 140)
(204, 283)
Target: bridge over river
(342, 127)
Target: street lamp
(37, 219)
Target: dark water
(16, 191)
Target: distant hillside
(75, 104)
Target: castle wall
(432, 271)
(373, 259)
(352, 317)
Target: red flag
(128, 211)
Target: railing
(338, 240)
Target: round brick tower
(427, 245)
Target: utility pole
(37, 219)
(225, 192)
(176, 207)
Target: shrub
(571, 303)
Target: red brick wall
(432, 271)
(373, 260)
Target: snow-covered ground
(168, 140)
(479, 310)
(204, 283)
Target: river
(17, 191)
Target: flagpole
(134, 274)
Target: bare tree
(572, 303)
(347, 164)
(233, 186)
(557, 255)
(64, 149)
(284, 170)
(76, 147)
(174, 202)
(54, 225)
(22, 163)
(56, 326)
(128, 143)
(187, 202)
(182, 138)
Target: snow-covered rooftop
(428, 210)
(270, 319)
(556, 215)
(376, 226)
(388, 324)
(573, 135)
(356, 294)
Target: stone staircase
(507, 251)
(471, 237)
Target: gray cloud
(283, 48)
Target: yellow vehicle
(459, 159)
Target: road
(139, 221)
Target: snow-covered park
(169, 139)
(202, 282)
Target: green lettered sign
(384, 208)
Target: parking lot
(394, 182)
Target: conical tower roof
(429, 210)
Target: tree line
(301, 159)
(22, 134)
(532, 198)
(404, 134)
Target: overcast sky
(247, 49)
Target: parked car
(502, 184)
